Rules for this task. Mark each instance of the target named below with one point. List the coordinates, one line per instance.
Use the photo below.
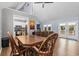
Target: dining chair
(28, 48)
(47, 46)
(16, 51)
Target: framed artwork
(32, 24)
(62, 29)
(45, 28)
(49, 28)
(38, 27)
(71, 29)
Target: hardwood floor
(64, 47)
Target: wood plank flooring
(64, 47)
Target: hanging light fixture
(43, 3)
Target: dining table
(27, 40)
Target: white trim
(16, 10)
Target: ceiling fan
(43, 3)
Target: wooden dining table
(30, 40)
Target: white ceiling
(54, 11)
(7, 4)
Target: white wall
(4, 5)
(0, 30)
(0, 23)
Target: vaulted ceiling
(53, 11)
(7, 4)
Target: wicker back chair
(47, 46)
(15, 48)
